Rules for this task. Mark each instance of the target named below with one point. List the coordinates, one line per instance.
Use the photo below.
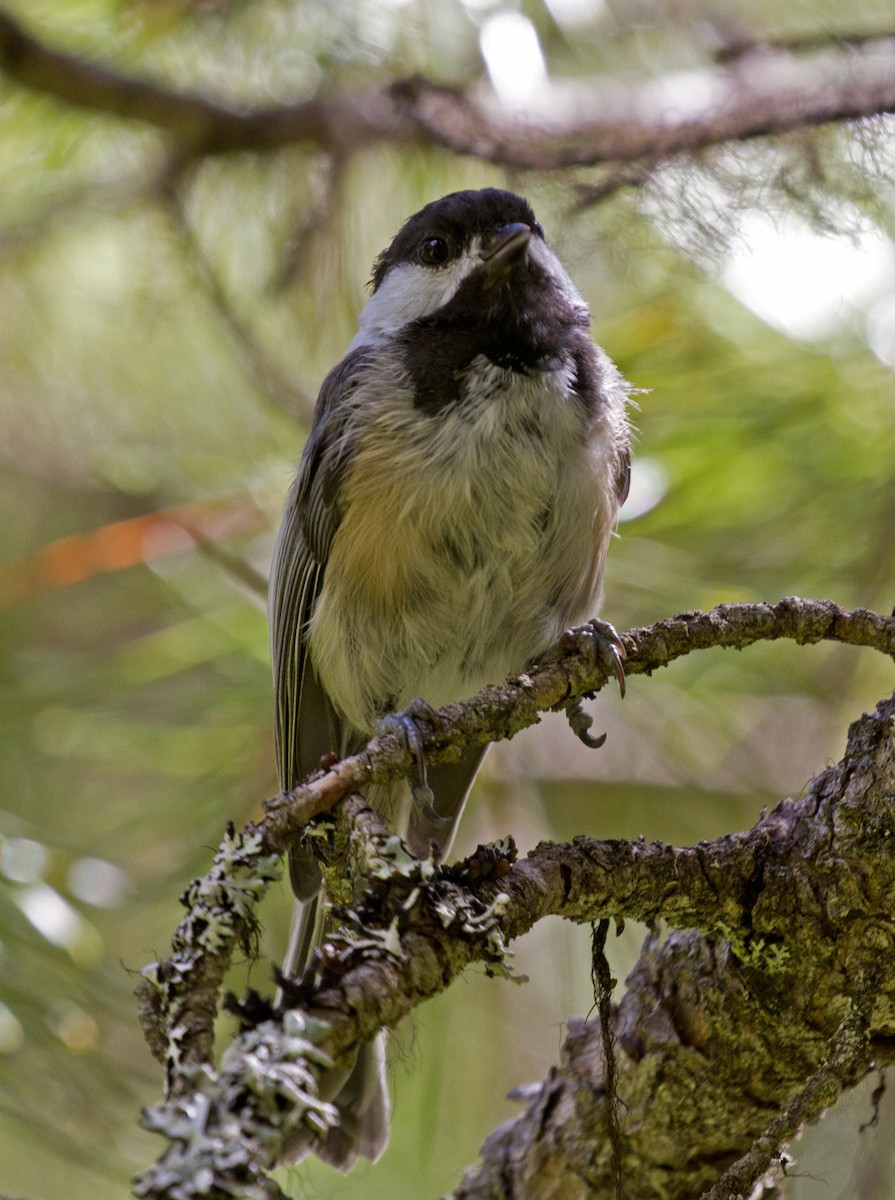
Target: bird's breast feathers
(464, 536)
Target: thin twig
(271, 380)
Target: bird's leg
(403, 725)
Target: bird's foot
(601, 643)
(403, 725)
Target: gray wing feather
(306, 726)
(296, 580)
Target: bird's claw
(580, 724)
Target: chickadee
(449, 520)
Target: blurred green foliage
(162, 336)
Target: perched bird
(449, 520)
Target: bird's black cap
(456, 218)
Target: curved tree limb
(725, 1043)
(496, 713)
(762, 91)
(688, 1002)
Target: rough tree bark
(785, 997)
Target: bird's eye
(538, 229)
(433, 251)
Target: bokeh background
(164, 328)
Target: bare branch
(200, 125)
(271, 380)
(585, 125)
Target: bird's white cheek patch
(409, 292)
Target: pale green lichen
(461, 913)
(221, 909)
(387, 857)
(770, 957)
(230, 1126)
(224, 899)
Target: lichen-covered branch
(182, 992)
(417, 928)
(758, 91)
(728, 1039)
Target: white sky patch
(50, 914)
(680, 96)
(881, 330)
(23, 860)
(806, 283)
(513, 57)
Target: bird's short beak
(507, 246)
